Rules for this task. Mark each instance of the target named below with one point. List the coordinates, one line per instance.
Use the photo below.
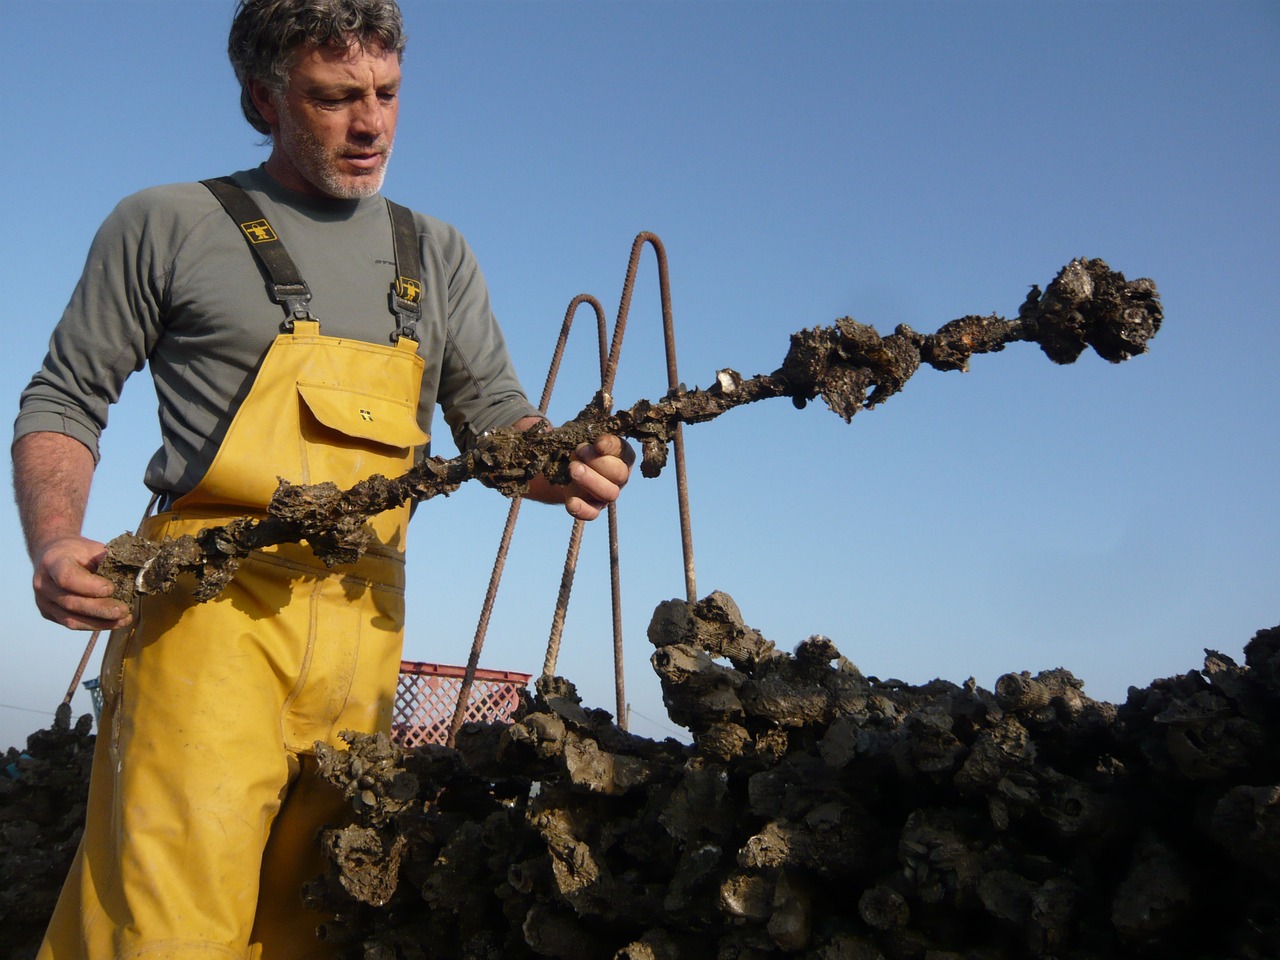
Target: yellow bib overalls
(204, 804)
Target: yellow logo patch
(409, 290)
(258, 231)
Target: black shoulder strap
(406, 290)
(286, 286)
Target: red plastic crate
(427, 696)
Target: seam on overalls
(348, 343)
(321, 574)
(304, 461)
(304, 671)
(352, 673)
(397, 400)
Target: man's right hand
(51, 477)
(69, 592)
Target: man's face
(334, 124)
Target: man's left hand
(600, 470)
(598, 473)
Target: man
(296, 325)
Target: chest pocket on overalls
(321, 408)
(340, 424)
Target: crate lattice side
(427, 695)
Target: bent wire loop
(608, 372)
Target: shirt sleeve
(112, 320)
(479, 389)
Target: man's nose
(369, 117)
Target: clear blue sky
(898, 162)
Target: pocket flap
(367, 416)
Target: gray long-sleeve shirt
(170, 281)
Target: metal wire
(673, 383)
(575, 536)
(93, 637)
(608, 374)
(513, 512)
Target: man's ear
(261, 94)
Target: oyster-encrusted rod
(848, 364)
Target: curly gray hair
(267, 36)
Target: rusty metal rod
(513, 512)
(561, 611)
(673, 382)
(84, 661)
(93, 637)
(849, 365)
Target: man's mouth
(369, 160)
(364, 161)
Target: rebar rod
(508, 530)
(673, 381)
(848, 364)
(561, 611)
